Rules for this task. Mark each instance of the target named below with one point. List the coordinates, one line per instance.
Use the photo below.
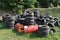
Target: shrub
(16, 5)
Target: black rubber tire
(9, 24)
(30, 22)
(40, 22)
(23, 15)
(51, 25)
(36, 13)
(20, 20)
(7, 17)
(55, 19)
(57, 23)
(29, 18)
(43, 31)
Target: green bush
(16, 5)
(19, 5)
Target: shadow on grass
(34, 35)
(18, 33)
(2, 26)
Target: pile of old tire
(9, 21)
(43, 30)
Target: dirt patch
(3, 12)
(1, 18)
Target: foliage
(19, 5)
(16, 5)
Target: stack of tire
(30, 18)
(9, 21)
(36, 13)
(43, 30)
(20, 19)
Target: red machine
(30, 28)
(27, 29)
(19, 27)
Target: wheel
(7, 17)
(29, 18)
(51, 24)
(57, 23)
(20, 20)
(9, 24)
(9, 21)
(40, 21)
(43, 31)
(55, 19)
(36, 13)
(52, 27)
(29, 21)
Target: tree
(29, 3)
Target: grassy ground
(10, 34)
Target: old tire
(51, 24)
(43, 31)
(9, 24)
(57, 23)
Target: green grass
(11, 34)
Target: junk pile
(31, 21)
(9, 21)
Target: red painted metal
(30, 28)
(19, 27)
